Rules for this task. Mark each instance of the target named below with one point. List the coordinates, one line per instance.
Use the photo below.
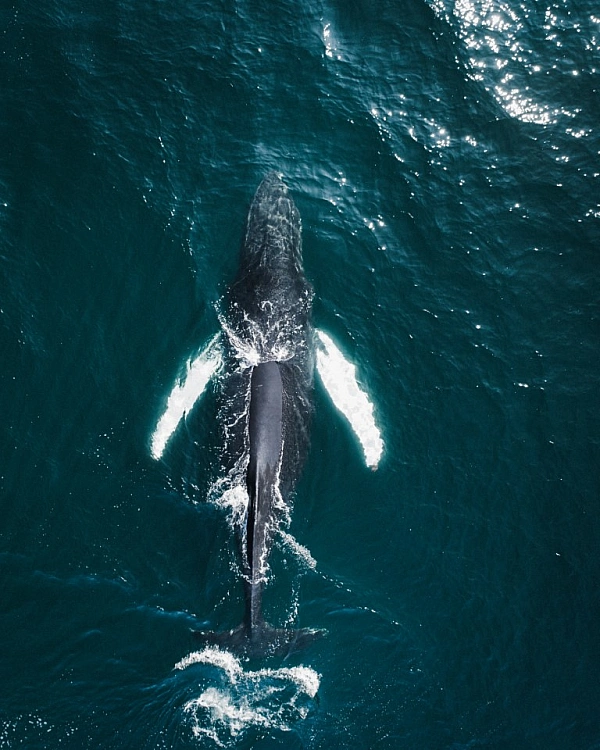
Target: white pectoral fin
(339, 378)
(187, 390)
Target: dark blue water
(444, 157)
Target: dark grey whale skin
(268, 308)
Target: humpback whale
(267, 358)
(268, 312)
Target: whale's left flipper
(338, 375)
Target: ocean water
(445, 159)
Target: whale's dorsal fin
(186, 391)
(338, 375)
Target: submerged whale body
(269, 401)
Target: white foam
(301, 552)
(266, 698)
(186, 391)
(224, 711)
(259, 343)
(307, 680)
(233, 500)
(339, 378)
(215, 656)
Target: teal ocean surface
(445, 158)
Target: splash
(233, 499)
(299, 550)
(186, 391)
(339, 378)
(254, 343)
(245, 699)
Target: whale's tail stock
(261, 640)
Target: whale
(265, 359)
(268, 312)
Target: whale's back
(271, 287)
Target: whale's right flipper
(186, 391)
